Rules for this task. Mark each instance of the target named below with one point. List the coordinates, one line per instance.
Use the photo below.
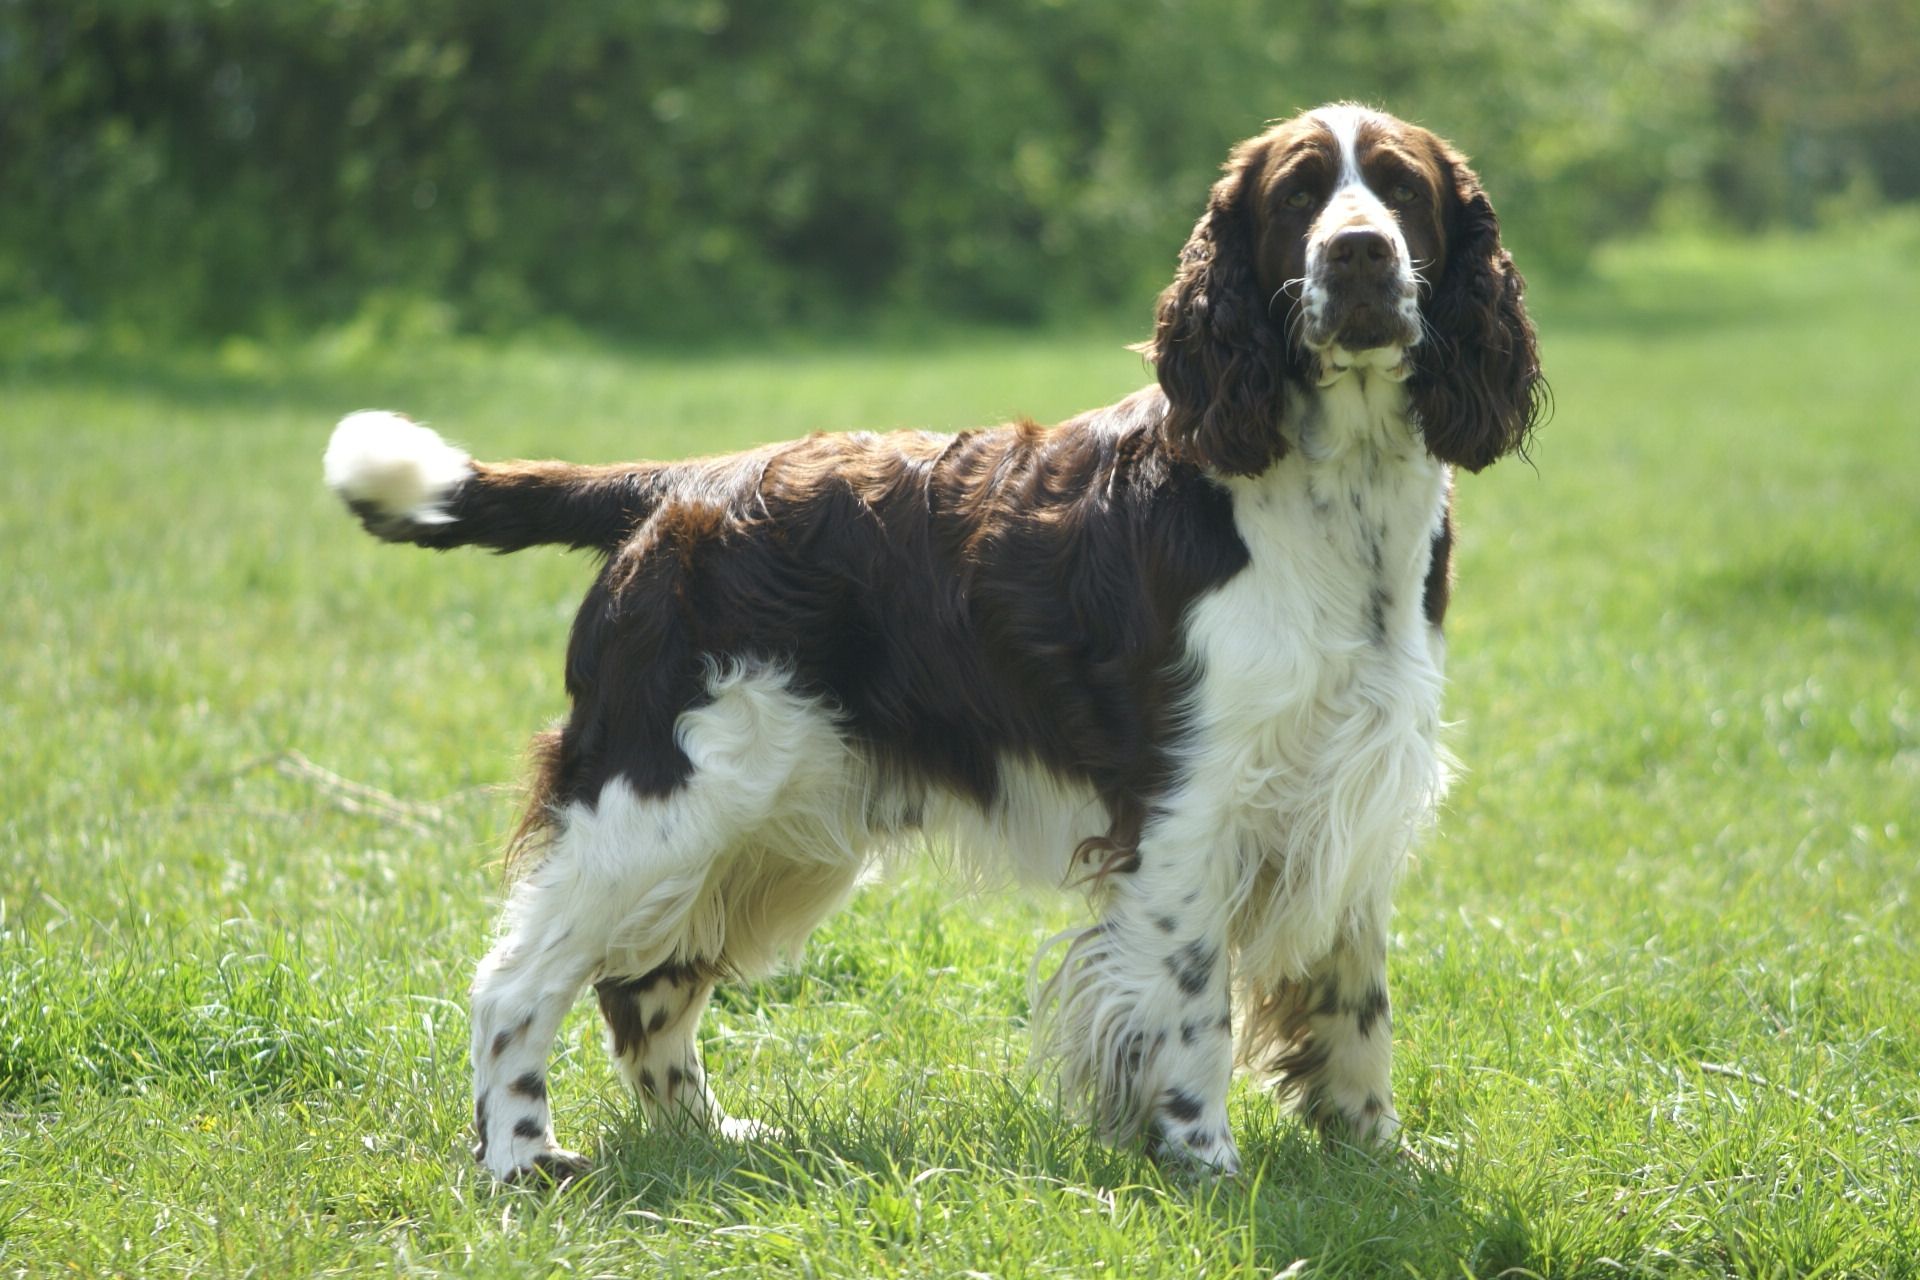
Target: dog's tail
(408, 485)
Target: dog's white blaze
(402, 468)
(1343, 121)
(1355, 204)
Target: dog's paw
(1201, 1150)
(553, 1167)
(1371, 1126)
(735, 1129)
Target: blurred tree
(1822, 98)
(687, 166)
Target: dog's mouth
(1373, 319)
(1337, 360)
(1371, 332)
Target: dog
(1183, 651)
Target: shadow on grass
(1352, 1212)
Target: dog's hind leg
(554, 938)
(636, 886)
(619, 890)
(652, 1021)
(605, 866)
(652, 1032)
(757, 913)
(628, 866)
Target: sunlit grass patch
(1654, 979)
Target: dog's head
(1346, 241)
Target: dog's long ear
(1220, 356)
(1476, 382)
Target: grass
(1655, 980)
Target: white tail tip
(402, 469)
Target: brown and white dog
(1184, 650)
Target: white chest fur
(1313, 759)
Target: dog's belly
(1030, 830)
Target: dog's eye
(1299, 199)
(1402, 193)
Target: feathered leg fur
(1137, 1019)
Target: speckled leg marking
(1326, 1040)
(652, 1025)
(519, 998)
(1138, 1018)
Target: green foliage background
(681, 167)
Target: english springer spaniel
(1183, 652)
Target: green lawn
(1657, 981)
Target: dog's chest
(1312, 729)
(1326, 620)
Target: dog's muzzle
(1360, 295)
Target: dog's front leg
(1326, 1039)
(1138, 1018)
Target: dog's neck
(1358, 488)
(1360, 406)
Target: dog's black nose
(1359, 249)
